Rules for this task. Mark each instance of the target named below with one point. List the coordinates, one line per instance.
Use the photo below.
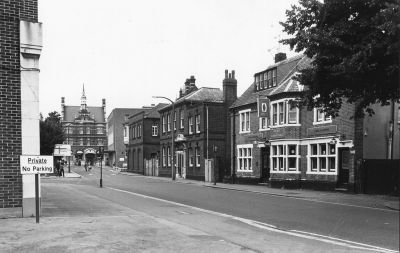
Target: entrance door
(181, 167)
(265, 164)
(344, 164)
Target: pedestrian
(57, 168)
(62, 169)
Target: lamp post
(101, 167)
(172, 136)
(215, 164)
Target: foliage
(51, 133)
(355, 48)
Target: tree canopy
(355, 48)
(51, 133)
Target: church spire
(83, 99)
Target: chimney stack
(63, 108)
(103, 104)
(280, 57)
(229, 87)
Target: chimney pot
(226, 73)
(233, 74)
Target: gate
(151, 167)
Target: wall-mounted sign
(322, 130)
(262, 107)
(62, 150)
(39, 164)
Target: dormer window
(266, 79)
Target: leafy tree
(51, 133)
(355, 48)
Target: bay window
(283, 113)
(320, 117)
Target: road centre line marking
(272, 228)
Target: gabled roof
(203, 94)
(286, 69)
(288, 84)
(72, 111)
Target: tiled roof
(72, 111)
(286, 69)
(153, 113)
(204, 94)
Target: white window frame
(154, 130)
(282, 120)
(164, 157)
(328, 154)
(197, 156)
(324, 119)
(190, 125)
(182, 119)
(174, 120)
(280, 151)
(169, 156)
(244, 157)
(197, 123)
(244, 121)
(267, 123)
(168, 122)
(191, 158)
(163, 124)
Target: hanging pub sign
(262, 106)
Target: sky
(128, 51)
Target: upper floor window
(125, 131)
(154, 130)
(274, 77)
(182, 119)
(81, 130)
(163, 124)
(245, 157)
(264, 122)
(284, 113)
(190, 119)
(174, 120)
(134, 132)
(197, 123)
(244, 118)
(320, 117)
(169, 122)
(139, 130)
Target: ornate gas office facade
(84, 127)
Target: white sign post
(36, 164)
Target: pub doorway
(265, 164)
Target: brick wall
(11, 12)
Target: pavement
(349, 199)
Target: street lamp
(215, 164)
(172, 134)
(101, 167)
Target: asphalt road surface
(313, 222)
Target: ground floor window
(322, 158)
(191, 158)
(164, 157)
(245, 157)
(285, 157)
(197, 157)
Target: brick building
(85, 128)
(21, 44)
(200, 123)
(116, 150)
(289, 146)
(144, 141)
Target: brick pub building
(21, 44)
(287, 146)
(85, 128)
(200, 122)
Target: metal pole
(172, 142)
(69, 164)
(172, 134)
(37, 197)
(101, 172)
(207, 129)
(215, 165)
